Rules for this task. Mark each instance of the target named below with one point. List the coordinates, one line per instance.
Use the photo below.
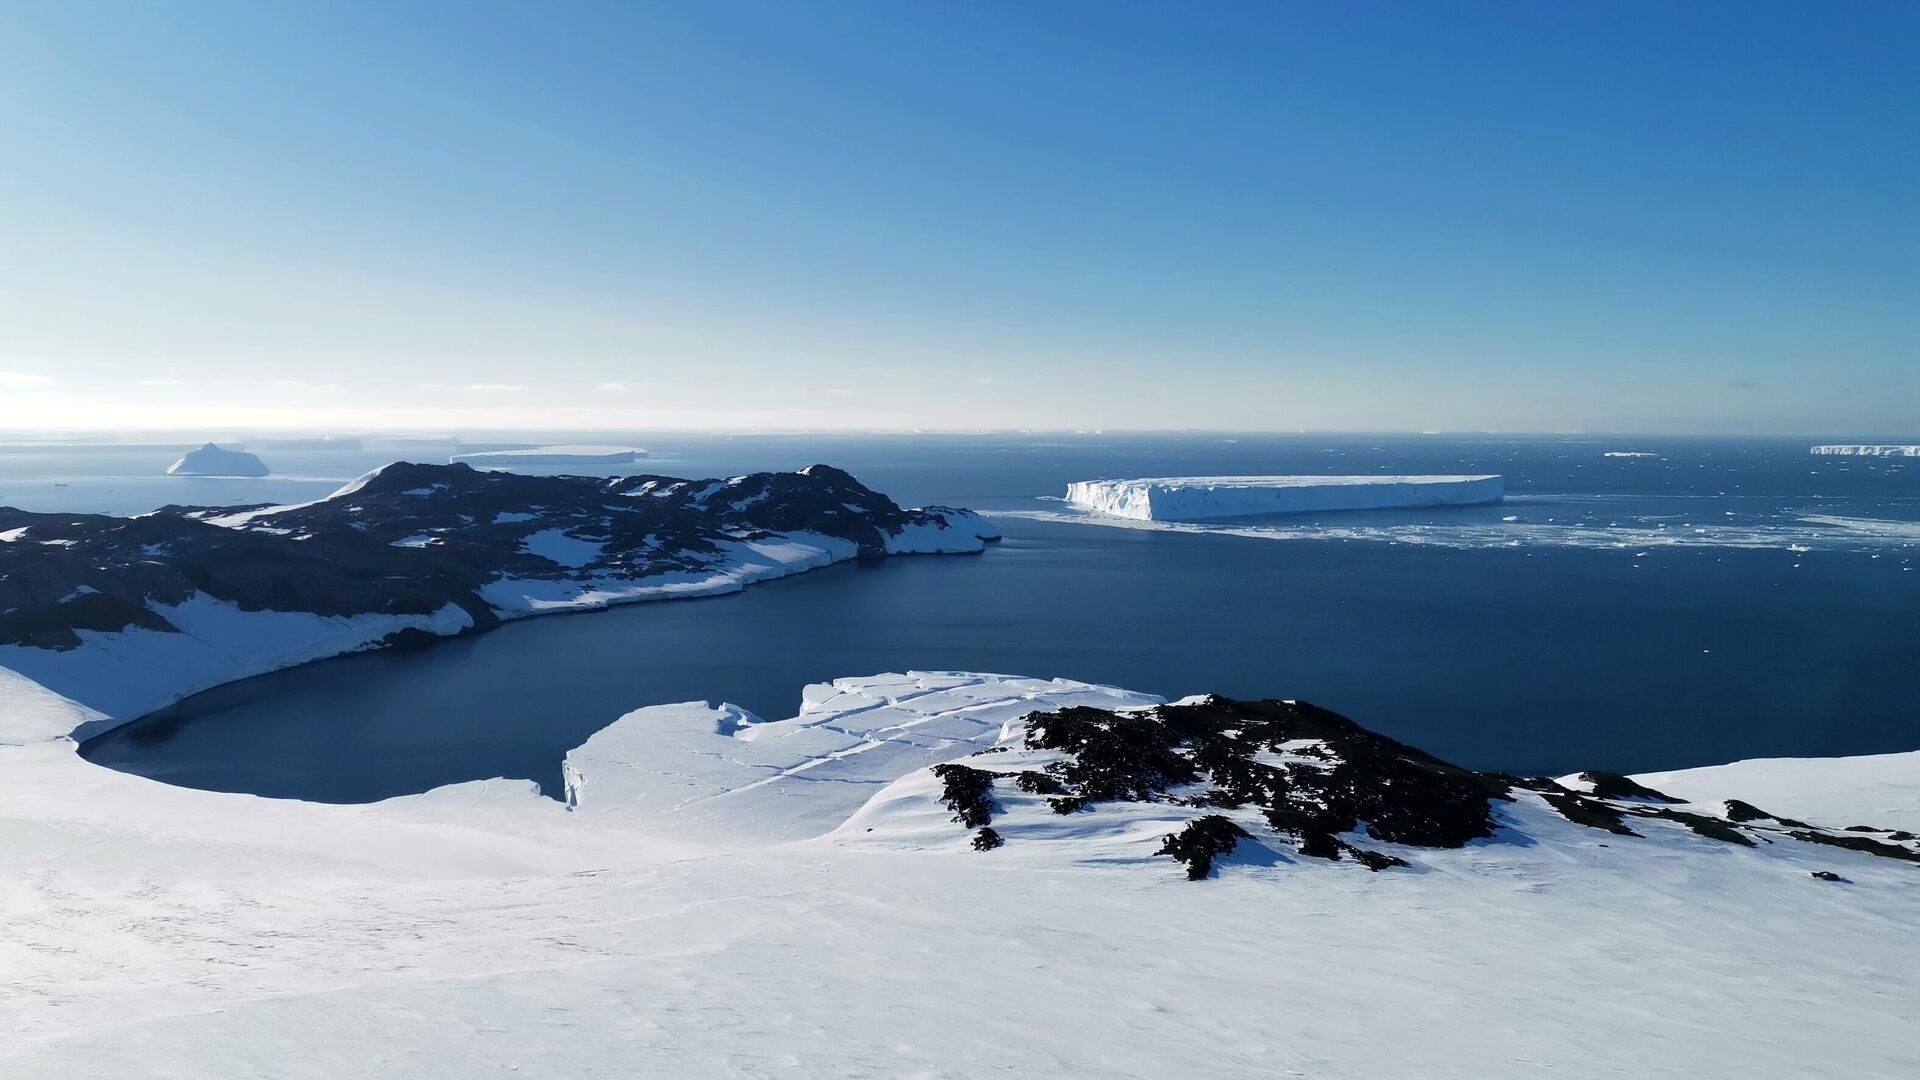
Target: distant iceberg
(1629, 454)
(1859, 450)
(211, 460)
(1196, 498)
(554, 455)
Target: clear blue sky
(1530, 216)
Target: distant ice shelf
(211, 460)
(1859, 450)
(1195, 498)
(554, 455)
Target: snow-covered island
(554, 455)
(211, 460)
(185, 598)
(1863, 450)
(1017, 876)
(1197, 498)
(1629, 454)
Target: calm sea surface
(1719, 599)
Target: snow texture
(1197, 498)
(211, 460)
(660, 928)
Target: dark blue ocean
(1713, 599)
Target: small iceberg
(211, 460)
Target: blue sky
(1630, 217)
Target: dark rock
(1592, 813)
(968, 793)
(337, 556)
(1858, 843)
(1034, 783)
(1608, 785)
(1827, 875)
(1317, 777)
(1711, 827)
(1202, 841)
(1746, 811)
(1355, 778)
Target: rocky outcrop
(1295, 774)
(409, 539)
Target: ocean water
(1720, 599)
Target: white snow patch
(119, 676)
(964, 531)
(554, 545)
(721, 774)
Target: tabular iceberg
(1856, 450)
(554, 455)
(1193, 498)
(211, 460)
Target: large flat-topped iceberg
(1193, 498)
(555, 455)
(1857, 450)
(211, 460)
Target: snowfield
(722, 897)
(1197, 498)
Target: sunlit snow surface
(667, 927)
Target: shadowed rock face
(411, 538)
(1316, 778)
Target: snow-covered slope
(1857, 450)
(481, 930)
(554, 455)
(211, 460)
(724, 775)
(1196, 498)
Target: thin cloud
(301, 386)
(156, 382)
(837, 391)
(491, 388)
(16, 380)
